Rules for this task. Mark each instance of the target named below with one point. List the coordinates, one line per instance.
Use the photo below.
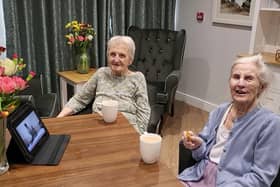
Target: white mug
(150, 145)
(109, 110)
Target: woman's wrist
(65, 112)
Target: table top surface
(98, 154)
(76, 77)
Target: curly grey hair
(263, 72)
(127, 40)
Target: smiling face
(119, 58)
(244, 84)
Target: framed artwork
(235, 12)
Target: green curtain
(35, 29)
(142, 13)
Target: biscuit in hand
(188, 134)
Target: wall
(210, 51)
(2, 28)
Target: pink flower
(30, 75)
(7, 85)
(72, 39)
(15, 56)
(20, 83)
(80, 38)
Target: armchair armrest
(47, 105)
(172, 80)
(185, 158)
(170, 87)
(26, 98)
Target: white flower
(9, 65)
(89, 37)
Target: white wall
(2, 27)
(210, 51)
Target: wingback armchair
(186, 160)
(159, 55)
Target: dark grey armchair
(159, 55)
(46, 104)
(186, 160)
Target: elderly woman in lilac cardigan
(239, 145)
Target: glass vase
(4, 165)
(82, 60)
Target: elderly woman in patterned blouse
(116, 82)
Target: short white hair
(263, 73)
(127, 40)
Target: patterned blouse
(130, 91)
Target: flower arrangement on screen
(10, 82)
(80, 35)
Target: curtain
(142, 13)
(35, 29)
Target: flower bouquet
(79, 37)
(10, 84)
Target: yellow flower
(76, 27)
(75, 22)
(68, 36)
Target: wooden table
(73, 78)
(98, 154)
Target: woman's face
(119, 59)
(244, 83)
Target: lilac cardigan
(251, 153)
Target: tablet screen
(31, 130)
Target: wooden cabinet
(265, 35)
(265, 39)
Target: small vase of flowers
(79, 37)
(10, 84)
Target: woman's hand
(190, 140)
(65, 112)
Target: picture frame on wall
(234, 12)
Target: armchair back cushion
(159, 55)
(158, 52)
